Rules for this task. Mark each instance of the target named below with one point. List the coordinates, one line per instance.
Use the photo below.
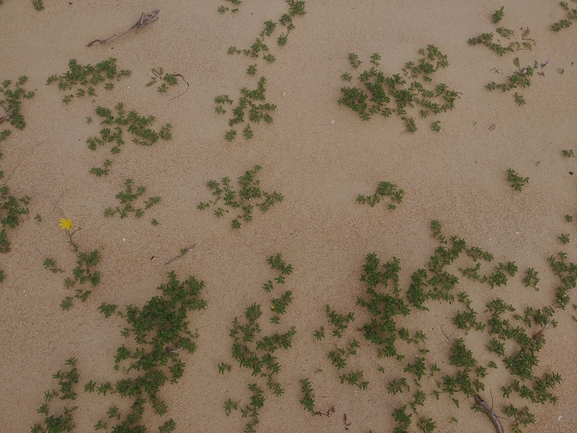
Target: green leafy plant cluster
(295, 8)
(160, 336)
(127, 199)
(248, 196)
(565, 23)
(512, 337)
(165, 79)
(517, 182)
(520, 78)
(408, 91)
(258, 355)
(11, 97)
(85, 78)
(253, 101)
(139, 127)
(38, 5)
(486, 39)
(62, 421)
(84, 272)
(222, 9)
(11, 211)
(385, 189)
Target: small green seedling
(517, 182)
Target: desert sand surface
(320, 156)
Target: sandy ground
(320, 156)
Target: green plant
(11, 211)
(167, 79)
(83, 272)
(499, 14)
(517, 182)
(379, 90)
(520, 78)
(564, 238)
(251, 100)
(85, 78)
(354, 378)
(308, 399)
(385, 189)
(10, 102)
(565, 23)
(246, 199)
(567, 153)
(161, 333)
(339, 321)
(139, 127)
(127, 198)
(37, 5)
(63, 422)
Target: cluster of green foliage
(385, 189)
(138, 126)
(487, 40)
(247, 197)
(11, 210)
(499, 14)
(258, 355)
(295, 8)
(83, 273)
(223, 9)
(127, 199)
(517, 182)
(567, 273)
(520, 78)
(565, 23)
(166, 79)
(85, 77)
(308, 399)
(63, 422)
(11, 207)
(386, 303)
(253, 100)
(161, 334)
(38, 5)
(381, 89)
(10, 102)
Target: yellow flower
(65, 224)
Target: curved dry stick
(187, 86)
(145, 19)
(9, 113)
(489, 411)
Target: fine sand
(320, 156)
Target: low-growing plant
(127, 200)
(62, 421)
(161, 334)
(384, 189)
(565, 23)
(405, 92)
(85, 78)
(517, 182)
(249, 101)
(138, 126)
(248, 196)
(165, 79)
(84, 271)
